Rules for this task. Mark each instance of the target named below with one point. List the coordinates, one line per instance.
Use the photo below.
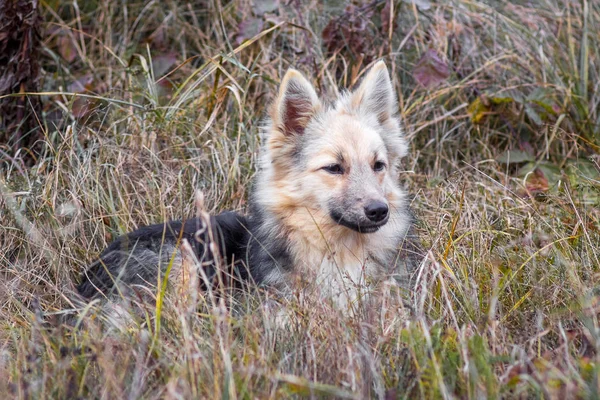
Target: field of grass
(501, 105)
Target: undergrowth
(146, 102)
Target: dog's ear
(376, 94)
(296, 104)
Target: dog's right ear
(297, 102)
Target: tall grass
(148, 101)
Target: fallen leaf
(82, 84)
(537, 183)
(526, 146)
(478, 110)
(248, 28)
(67, 48)
(514, 157)
(161, 64)
(550, 171)
(81, 107)
(431, 70)
(159, 38)
(540, 177)
(164, 90)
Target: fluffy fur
(135, 260)
(326, 207)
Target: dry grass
(506, 299)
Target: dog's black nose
(376, 211)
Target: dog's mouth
(360, 227)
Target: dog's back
(136, 258)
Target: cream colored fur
(296, 194)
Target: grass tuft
(146, 102)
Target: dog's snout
(376, 211)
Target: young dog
(326, 206)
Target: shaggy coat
(325, 209)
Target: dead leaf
(82, 84)
(526, 146)
(478, 110)
(536, 183)
(164, 89)
(248, 28)
(66, 48)
(82, 107)
(431, 70)
(159, 38)
(161, 64)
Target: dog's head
(339, 162)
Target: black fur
(134, 259)
(267, 251)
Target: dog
(325, 208)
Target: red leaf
(537, 182)
(248, 28)
(82, 84)
(431, 70)
(82, 106)
(67, 48)
(162, 64)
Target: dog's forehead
(351, 132)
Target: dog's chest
(345, 270)
(344, 279)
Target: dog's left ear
(376, 94)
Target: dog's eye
(379, 166)
(334, 169)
